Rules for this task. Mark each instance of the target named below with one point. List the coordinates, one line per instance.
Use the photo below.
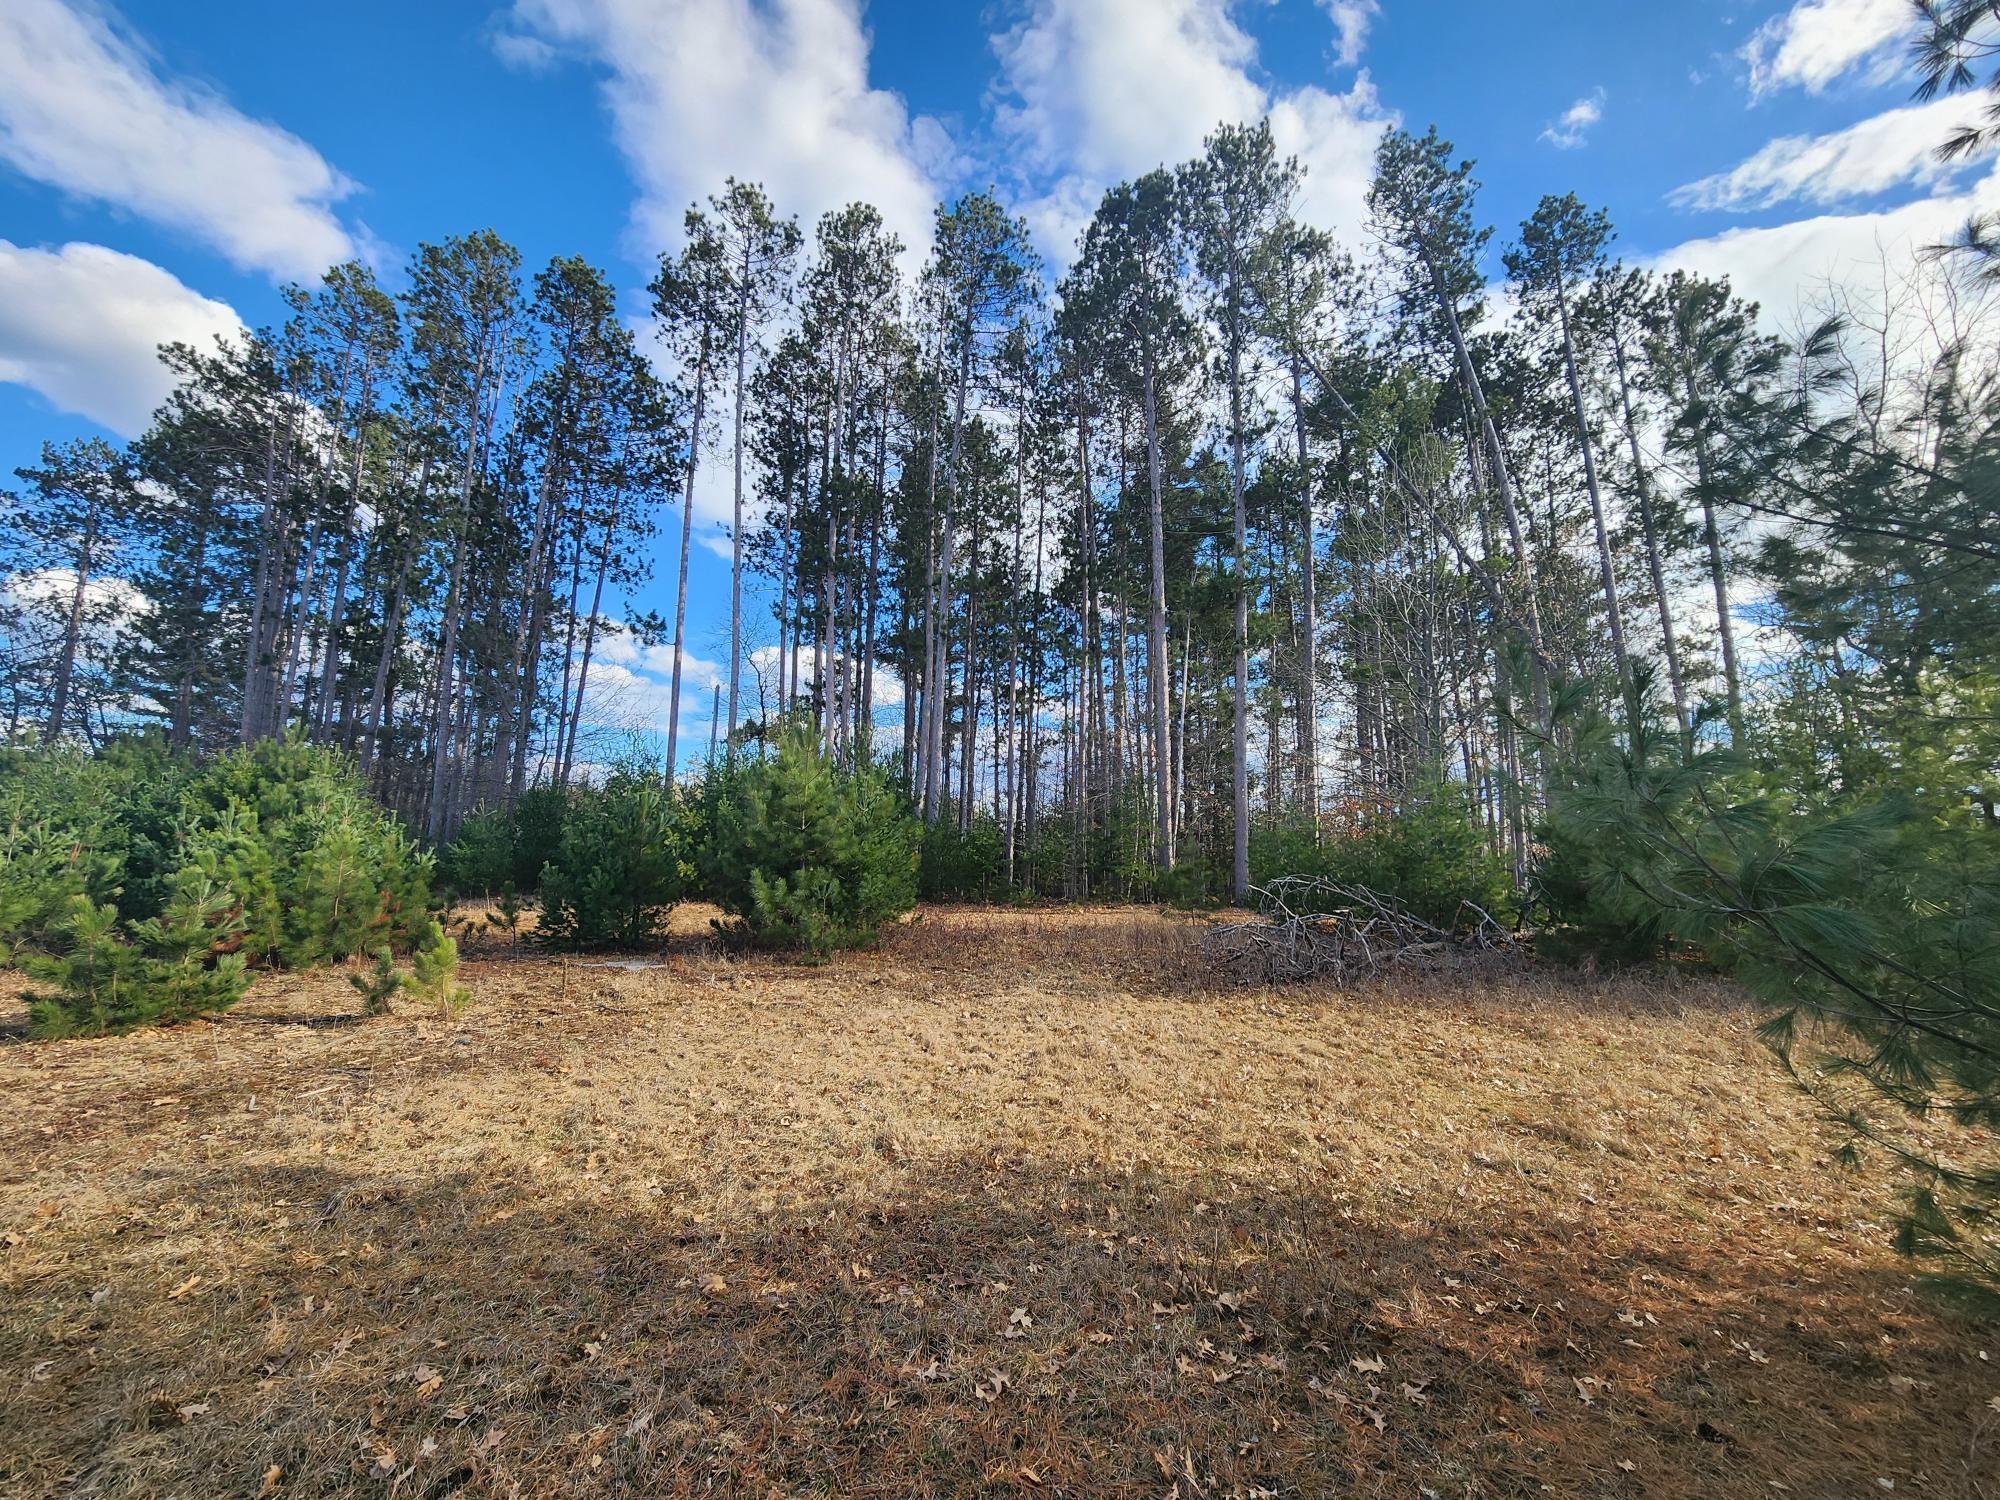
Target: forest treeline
(1230, 530)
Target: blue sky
(165, 167)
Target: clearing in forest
(1019, 1203)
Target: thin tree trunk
(1156, 622)
(687, 535)
(1642, 484)
(1609, 575)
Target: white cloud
(1095, 91)
(1896, 147)
(526, 54)
(700, 90)
(1784, 266)
(888, 687)
(1568, 130)
(1351, 20)
(83, 110)
(109, 602)
(1818, 41)
(82, 326)
(619, 646)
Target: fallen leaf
(713, 1285)
(1369, 1366)
(197, 1409)
(184, 1288)
(273, 1477)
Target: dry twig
(1316, 928)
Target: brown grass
(1016, 1204)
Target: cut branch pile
(1315, 928)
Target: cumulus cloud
(82, 325)
(779, 95)
(1885, 151)
(1783, 266)
(1351, 20)
(1818, 41)
(83, 109)
(1094, 91)
(107, 599)
(1569, 129)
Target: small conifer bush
(809, 855)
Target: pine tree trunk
(1502, 482)
(1240, 720)
(1642, 484)
(1309, 609)
(1156, 622)
(73, 626)
(1608, 573)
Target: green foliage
(969, 865)
(480, 861)
(506, 915)
(807, 855)
(1872, 933)
(433, 976)
(377, 986)
(1191, 885)
(497, 849)
(627, 855)
(162, 970)
(539, 816)
(136, 885)
(1430, 856)
(320, 871)
(43, 873)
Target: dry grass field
(1017, 1204)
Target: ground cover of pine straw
(1018, 1204)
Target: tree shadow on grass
(993, 1326)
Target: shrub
(1430, 856)
(955, 865)
(627, 855)
(1192, 885)
(166, 969)
(433, 976)
(44, 871)
(807, 855)
(320, 871)
(499, 849)
(377, 985)
(480, 860)
(539, 815)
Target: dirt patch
(1019, 1202)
